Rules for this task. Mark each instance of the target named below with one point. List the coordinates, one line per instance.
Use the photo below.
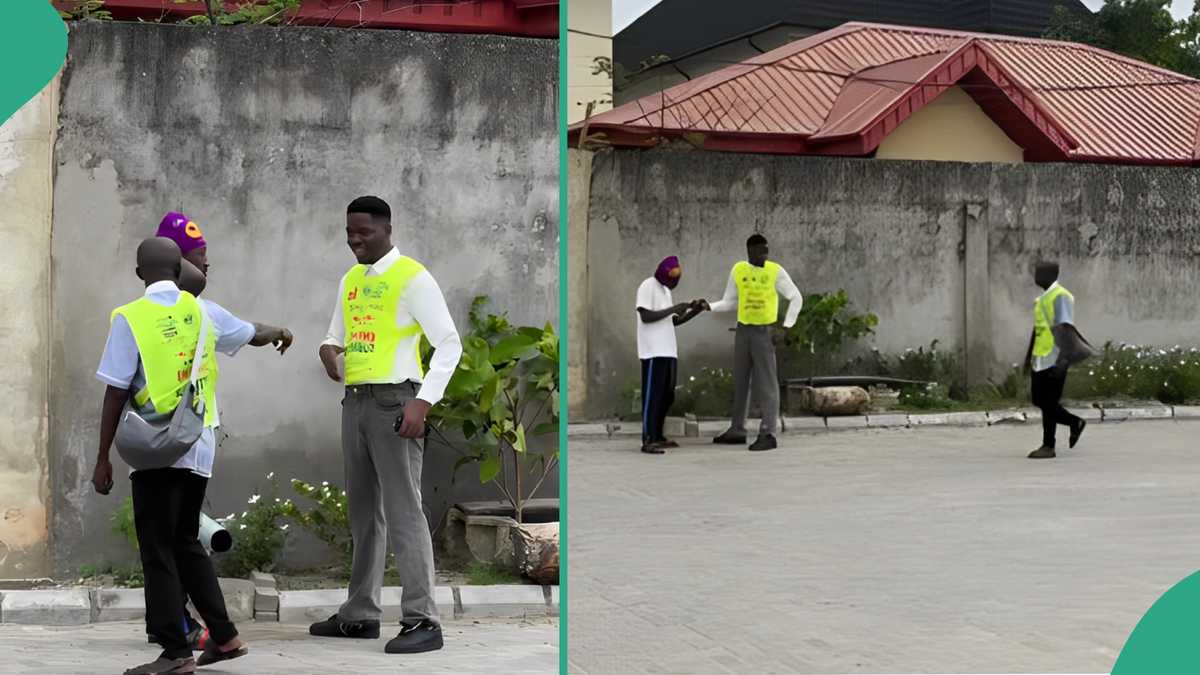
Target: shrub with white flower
(258, 538)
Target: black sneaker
(1077, 432)
(366, 629)
(414, 638)
(653, 449)
(730, 437)
(1042, 453)
(764, 442)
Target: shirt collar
(1044, 293)
(162, 287)
(383, 264)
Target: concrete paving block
(554, 601)
(674, 427)
(1186, 412)
(63, 607)
(804, 425)
(118, 604)
(309, 606)
(239, 598)
(1122, 414)
(586, 430)
(712, 428)
(851, 422)
(266, 616)
(887, 421)
(1089, 413)
(262, 580)
(443, 597)
(266, 600)
(967, 419)
(503, 601)
(927, 420)
(1006, 417)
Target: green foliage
(255, 12)
(122, 576)
(708, 393)
(122, 523)
(328, 519)
(483, 574)
(504, 391)
(258, 536)
(824, 329)
(1171, 376)
(87, 9)
(1140, 29)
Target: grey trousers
(754, 362)
(383, 500)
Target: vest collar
(385, 263)
(1047, 291)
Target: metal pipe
(213, 536)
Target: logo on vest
(376, 290)
(352, 295)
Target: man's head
(187, 235)
(669, 272)
(1045, 273)
(191, 279)
(158, 259)
(756, 250)
(369, 229)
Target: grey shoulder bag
(145, 444)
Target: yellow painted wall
(26, 191)
(951, 128)
(594, 17)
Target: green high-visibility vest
(758, 302)
(1043, 321)
(166, 341)
(369, 312)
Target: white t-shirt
(655, 339)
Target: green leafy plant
(328, 519)
(123, 524)
(1139, 372)
(87, 9)
(255, 12)
(503, 393)
(484, 574)
(708, 393)
(824, 329)
(258, 535)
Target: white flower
(284, 528)
(229, 517)
(243, 527)
(245, 513)
(1091, 372)
(253, 499)
(277, 500)
(270, 475)
(325, 483)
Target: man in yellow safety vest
(1048, 356)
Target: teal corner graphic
(1165, 640)
(33, 44)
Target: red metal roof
(842, 91)
(530, 18)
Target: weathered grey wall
(897, 236)
(263, 135)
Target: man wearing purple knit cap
(185, 232)
(657, 351)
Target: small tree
(824, 328)
(504, 392)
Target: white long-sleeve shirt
(783, 285)
(422, 301)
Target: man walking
(151, 341)
(1049, 356)
(753, 289)
(385, 304)
(657, 349)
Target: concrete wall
(951, 127)
(26, 146)
(579, 181)
(590, 36)
(263, 136)
(936, 249)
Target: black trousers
(658, 394)
(166, 513)
(1047, 390)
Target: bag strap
(199, 355)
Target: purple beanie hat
(177, 228)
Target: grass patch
(483, 574)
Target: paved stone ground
(490, 646)
(901, 551)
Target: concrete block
(65, 607)
(674, 427)
(118, 604)
(1186, 412)
(266, 616)
(262, 580)
(806, 424)
(888, 420)
(1122, 414)
(309, 606)
(586, 430)
(715, 427)
(509, 601)
(239, 598)
(995, 417)
(691, 428)
(1090, 414)
(266, 600)
(554, 608)
(443, 597)
(967, 419)
(854, 422)
(928, 420)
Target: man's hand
(681, 309)
(701, 305)
(413, 424)
(102, 476)
(282, 340)
(329, 354)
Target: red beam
(528, 18)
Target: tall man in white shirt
(166, 502)
(753, 289)
(657, 317)
(385, 304)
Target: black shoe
(414, 638)
(764, 442)
(334, 627)
(1076, 432)
(653, 449)
(730, 437)
(1042, 453)
(667, 443)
